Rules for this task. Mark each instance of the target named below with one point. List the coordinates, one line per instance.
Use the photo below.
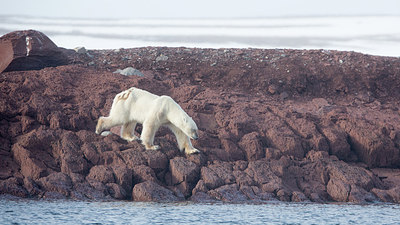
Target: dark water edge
(29, 211)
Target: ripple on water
(23, 211)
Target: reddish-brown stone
(319, 133)
(29, 50)
(151, 191)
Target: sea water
(27, 211)
(378, 35)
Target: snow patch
(105, 133)
(129, 71)
(28, 45)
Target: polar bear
(152, 111)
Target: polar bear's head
(190, 128)
(99, 127)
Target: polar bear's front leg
(127, 131)
(190, 151)
(148, 133)
(183, 140)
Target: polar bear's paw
(131, 138)
(153, 147)
(191, 151)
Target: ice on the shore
(106, 133)
(377, 35)
(129, 71)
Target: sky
(196, 9)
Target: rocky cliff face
(289, 125)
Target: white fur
(139, 106)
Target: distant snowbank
(378, 35)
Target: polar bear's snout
(195, 135)
(99, 126)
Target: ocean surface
(377, 35)
(27, 211)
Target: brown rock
(243, 179)
(32, 187)
(390, 195)
(151, 191)
(390, 177)
(111, 158)
(320, 102)
(284, 139)
(202, 197)
(372, 147)
(99, 186)
(33, 153)
(218, 174)
(272, 89)
(90, 153)
(86, 190)
(200, 187)
(233, 151)
(249, 193)
(338, 144)
(338, 190)
(228, 193)
(198, 159)
(14, 187)
(123, 177)
(116, 191)
(103, 174)
(394, 193)
(264, 196)
(382, 195)
(298, 197)
(283, 195)
(315, 156)
(272, 153)
(156, 160)
(72, 159)
(183, 170)
(184, 173)
(252, 147)
(48, 118)
(56, 182)
(210, 178)
(359, 195)
(7, 165)
(262, 173)
(143, 173)
(353, 175)
(133, 158)
(30, 166)
(27, 50)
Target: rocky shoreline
(275, 124)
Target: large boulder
(151, 191)
(29, 50)
(184, 173)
